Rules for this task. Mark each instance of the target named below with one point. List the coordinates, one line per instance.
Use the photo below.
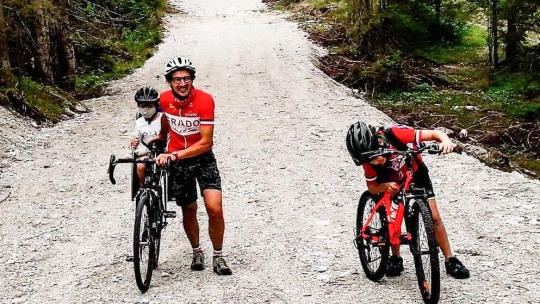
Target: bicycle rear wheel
(425, 251)
(373, 250)
(143, 246)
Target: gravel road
(290, 188)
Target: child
(384, 173)
(148, 127)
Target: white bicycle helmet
(179, 63)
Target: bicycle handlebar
(114, 161)
(432, 149)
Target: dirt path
(290, 189)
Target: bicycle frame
(402, 198)
(394, 222)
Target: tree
(41, 36)
(65, 51)
(6, 77)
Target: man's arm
(203, 145)
(165, 127)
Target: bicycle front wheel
(157, 246)
(425, 251)
(373, 249)
(143, 246)
(159, 223)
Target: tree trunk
(6, 77)
(65, 50)
(437, 8)
(511, 38)
(43, 44)
(494, 34)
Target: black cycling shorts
(186, 173)
(422, 180)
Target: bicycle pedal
(169, 214)
(129, 258)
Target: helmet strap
(382, 141)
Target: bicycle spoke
(373, 254)
(425, 251)
(143, 246)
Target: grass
(500, 110)
(471, 50)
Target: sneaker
(220, 266)
(395, 266)
(198, 261)
(456, 269)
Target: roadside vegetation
(471, 67)
(54, 53)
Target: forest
(55, 53)
(470, 67)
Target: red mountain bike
(378, 226)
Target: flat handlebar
(431, 149)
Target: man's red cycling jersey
(186, 117)
(395, 169)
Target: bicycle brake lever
(169, 161)
(459, 148)
(112, 165)
(433, 149)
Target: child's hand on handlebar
(391, 187)
(446, 146)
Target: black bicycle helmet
(361, 138)
(177, 64)
(147, 94)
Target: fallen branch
(5, 198)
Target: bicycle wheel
(157, 231)
(425, 251)
(143, 246)
(373, 250)
(157, 246)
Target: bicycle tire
(377, 232)
(159, 227)
(143, 246)
(425, 251)
(157, 246)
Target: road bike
(151, 213)
(379, 224)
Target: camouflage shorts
(186, 173)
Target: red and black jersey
(394, 170)
(186, 117)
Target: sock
(218, 253)
(197, 249)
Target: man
(383, 174)
(190, 113)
